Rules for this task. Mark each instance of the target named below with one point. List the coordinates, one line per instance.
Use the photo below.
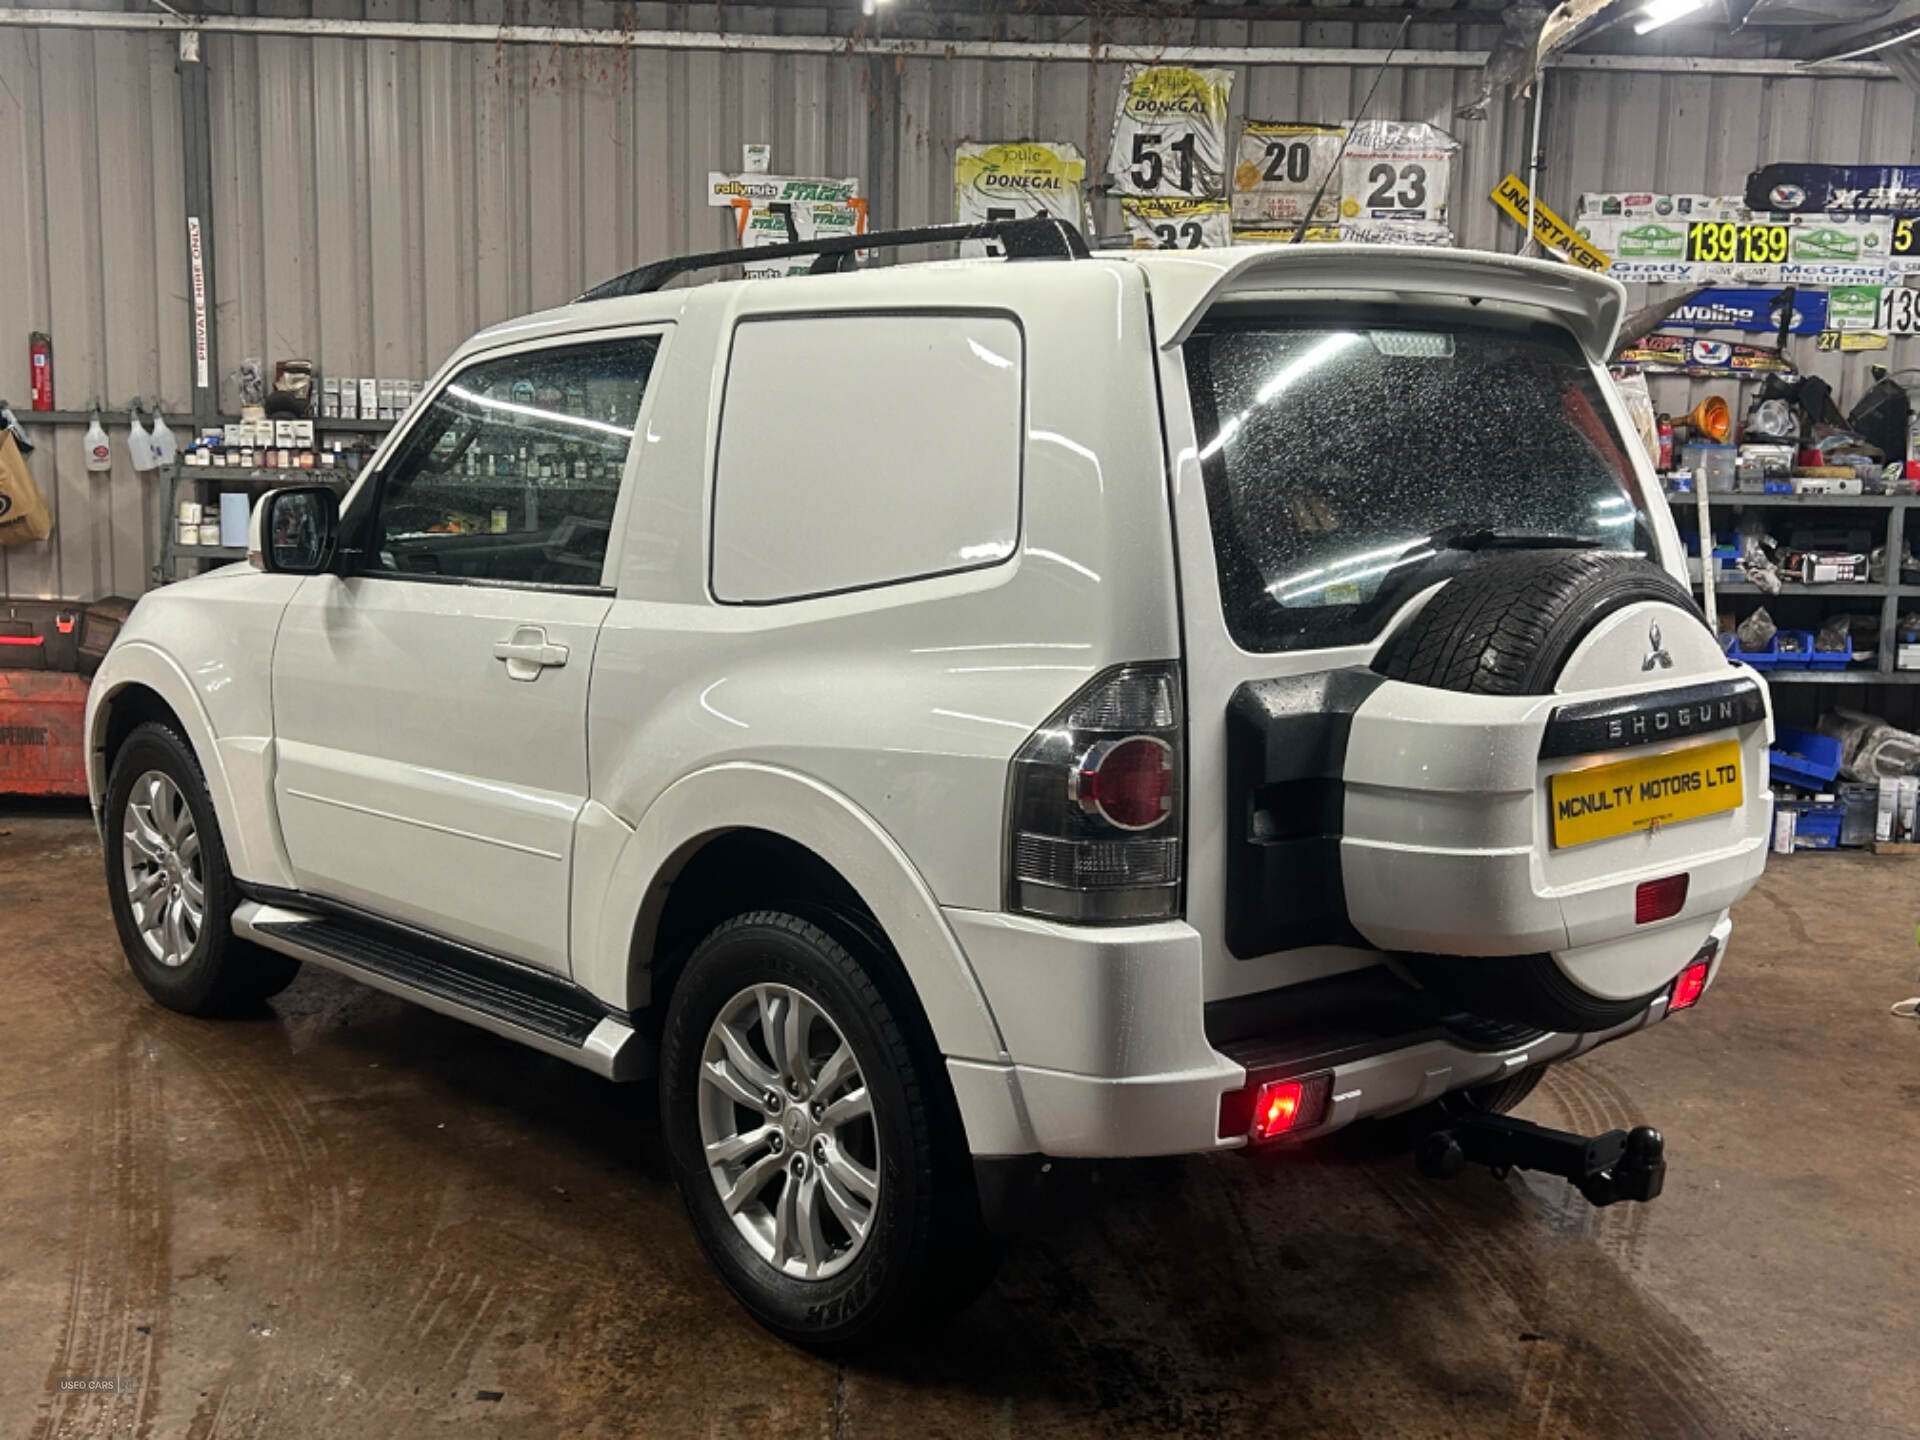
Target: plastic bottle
(164, 446)
(99, 453)
(139, 443)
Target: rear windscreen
(1351, 459)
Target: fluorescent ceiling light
(1656, 13)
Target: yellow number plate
(1602, 800)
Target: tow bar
(1619, 1165)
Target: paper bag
(24, 516)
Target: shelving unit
(182, 477)
(1889, 596)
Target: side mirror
(292, 531)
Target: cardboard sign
(1174, 224)
(1170, 133)
(1014, 180)
(1280, 168)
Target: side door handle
(527, 652)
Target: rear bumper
(1109, 1053)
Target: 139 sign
(1723, 242)
(1899, 311)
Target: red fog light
(1687, 988)
(1275, 1108)
(1659, 899)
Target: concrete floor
(350, 1217)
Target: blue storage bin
(1816, 823)
(1831, 659)
(1793, 650)
(1764, 659)
(1804, 758)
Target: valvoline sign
(1751, 310)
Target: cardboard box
(369, 397)
(283, 434)
(303, 434)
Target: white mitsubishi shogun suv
(946, 721)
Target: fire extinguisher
(41, 352)
(1666, 442)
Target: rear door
(1336, 456)
(430, 702)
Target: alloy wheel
(160, 863)
(787, 1123)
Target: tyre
(1506, 625)
(807, 1133)
(1508, 622)
(171, 890)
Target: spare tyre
(1507, 625)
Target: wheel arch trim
(247, 826)
(612, 957)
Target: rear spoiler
(1183, 288)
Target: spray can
(40, 357)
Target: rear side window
(866, 450)
(1353, 457)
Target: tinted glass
(513, 473)
(1351, 461)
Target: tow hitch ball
(1619, 1165)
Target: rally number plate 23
(1598, 801)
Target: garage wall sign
(1511, 196)
(1664, 354)
(1697, 239)
(1399, 173)
(1176, 224)
(1751, 310)
(763, 205)
(1170, 133)
(1849, 341)
(1897, 311)
(1279, 168)
(1016, 179)
(1903, 247)
(1841, 189)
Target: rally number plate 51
(1599, 801)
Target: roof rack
(1036, 237)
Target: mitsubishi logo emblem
(1657, 656)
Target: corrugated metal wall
(376, 202)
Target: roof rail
(1036, 237)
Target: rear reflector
(1659, 899)
(1275, 1108)
(1687, 988)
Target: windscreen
(1354, 457)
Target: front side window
(513, 472)
(1354, 456)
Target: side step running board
(537, 1009)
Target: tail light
(1094, 810)
(1688, 988)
